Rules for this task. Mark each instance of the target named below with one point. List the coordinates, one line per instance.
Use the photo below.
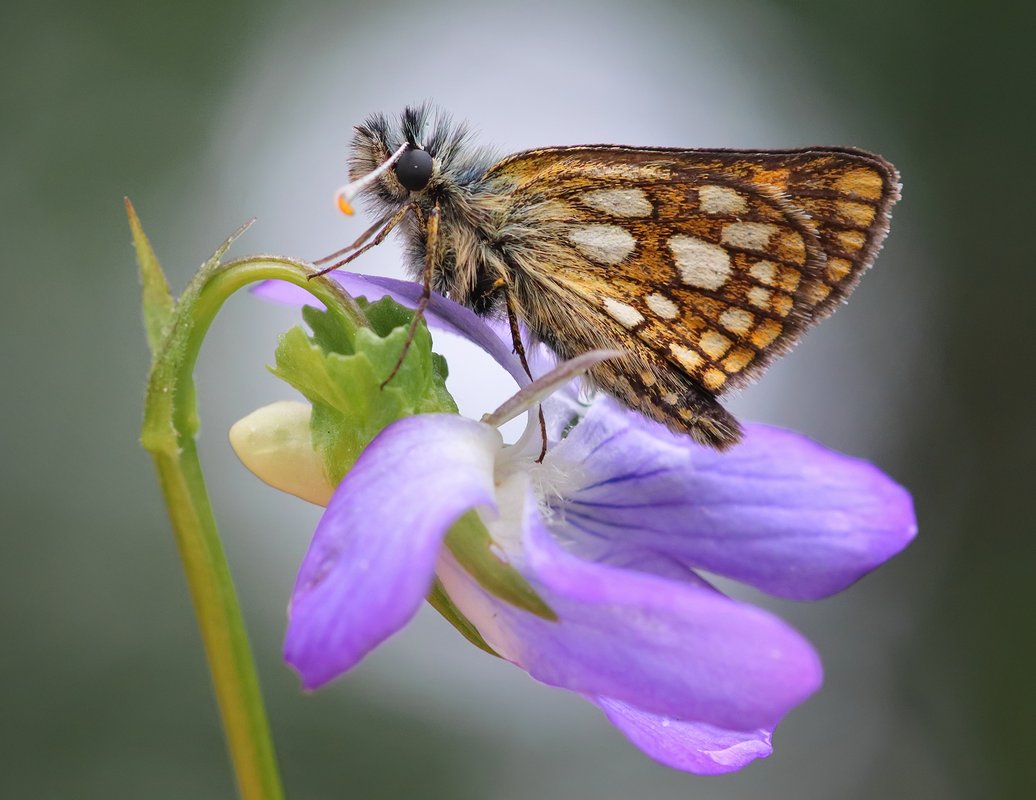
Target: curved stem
(170, 424)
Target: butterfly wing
(701, 264)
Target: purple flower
(610, 531)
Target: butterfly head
(421, 156)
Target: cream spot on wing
(748, 235)
(759, 297)
(662, 306)
(713, 379)
(763, 271)
(670, 398)
(605, 244)
(714, 344)
(625, 315)
(648, 378)
(619, 202)
(736, 320)
(687, 358)
(701, 264)
(721, 200)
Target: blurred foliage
(954, 79)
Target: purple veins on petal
(778, 511)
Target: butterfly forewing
(702, 264)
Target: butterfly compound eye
(414, 169)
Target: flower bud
(275, 443)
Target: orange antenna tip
(350, 190)
(343, 204)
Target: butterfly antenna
(345, 195)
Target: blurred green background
(208, 113)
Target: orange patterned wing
(707, 262)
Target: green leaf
(341, 369)
(156, 298)
(328, 333)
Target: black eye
(414, 169)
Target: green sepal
(441, 602)
(470, 543)
(340, 369)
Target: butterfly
(700, 266)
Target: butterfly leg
(519, 349)
(363, 237)
(431, 243)
(393, 221)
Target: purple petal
(777, 511)
(442, 313)
(669, 647)
(372, 558)
(690, 746)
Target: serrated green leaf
(328, 333)
(414, 375)
(341, 371)
(386, 315)
(438, 398)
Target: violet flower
(610, 532)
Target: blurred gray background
(206, 114)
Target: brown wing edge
(880, 227)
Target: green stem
(170, 424)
